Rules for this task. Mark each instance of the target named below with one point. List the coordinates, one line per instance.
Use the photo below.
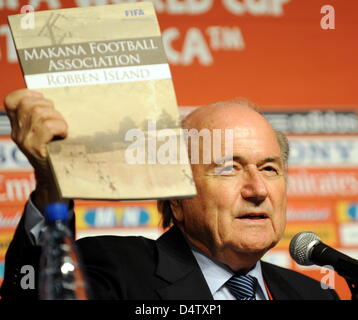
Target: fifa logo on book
(134, 13)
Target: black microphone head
(301, 246)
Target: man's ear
(177, 209)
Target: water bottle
(60, 274)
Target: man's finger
(29, 106)
(40, 114)
(40, 135)
(13, 100)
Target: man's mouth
(253, 216)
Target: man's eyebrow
(277, 160)
(242, 160)
(271, 159)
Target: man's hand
(34, 123)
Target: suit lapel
(177, 266)
(279, 288)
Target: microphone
(307, 249)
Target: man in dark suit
(214, 247)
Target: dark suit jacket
(139, 268)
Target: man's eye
(269, 170)
(225, 170)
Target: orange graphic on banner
(10, 216)
(332, 183)
(326, 231)
(305, 210)
(15, 187)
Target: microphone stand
(348, 269)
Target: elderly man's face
(241, 204)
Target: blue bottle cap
(56, 211)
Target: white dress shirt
(217, 274)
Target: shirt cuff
(35, 222)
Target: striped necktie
(242, 287)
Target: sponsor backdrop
(295, 58)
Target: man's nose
(254, 188)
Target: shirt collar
(217, 274)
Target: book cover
(105, 69)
